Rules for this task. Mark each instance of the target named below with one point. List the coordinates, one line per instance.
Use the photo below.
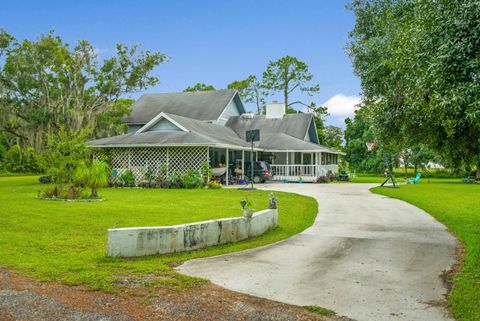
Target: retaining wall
(140, 241)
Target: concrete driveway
(366, 257)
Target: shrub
(150, 176)
(323, 179)
(61, 192)
(176, 180)
(192, 179)
(214, 185)
(127, 179)
(469, 180)
(165, 184)
(3, 150)
(331, 176)
(72, 192)
(23, 161)
(206, 173)
(162, 179)
(51, 192)
(45, 179)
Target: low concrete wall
(140, 241)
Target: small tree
(333, 136)
(94, 177)
(65, 153)
(251, 90)
(199, 87)
(288, 75)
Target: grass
(320, 310)
(457, 206)
(66, 241)
(377, 178)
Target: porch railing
(308, 173)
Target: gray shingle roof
(192, 111)
(202, 105)
(152, 138)
(199, 132)
(284, 142)
(295, 125)
(217, 133)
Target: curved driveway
(366, 256)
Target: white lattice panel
(182, 159)
(140, 160)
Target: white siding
(164, 125)
(133, 128)
(232, 109)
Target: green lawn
(66, 241)
(373, 178)
(457, 206)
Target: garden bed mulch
(23, 298)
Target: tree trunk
(285, 89)
(94, 191)
(478, 172)
(257, 100)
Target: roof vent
(275, 110)
(247, 116)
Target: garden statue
(272, 201)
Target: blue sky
(214, 42)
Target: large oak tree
(45, 85)
(419, 65)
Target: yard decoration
(272, 201)
(247, 208)
(389, 172)
(415, 180)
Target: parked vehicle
(261, 171)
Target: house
(175, 132)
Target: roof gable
(295, 125)
(161, 123)
(202, 105)
(312, 134)
(214, 132)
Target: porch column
(287, 171)
(226, 173)
(243, 164)
(301, 158)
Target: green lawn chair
(414, 180)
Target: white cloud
(342, 105)
(100, 52)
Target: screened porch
(284, 166)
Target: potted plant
(247, 208)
